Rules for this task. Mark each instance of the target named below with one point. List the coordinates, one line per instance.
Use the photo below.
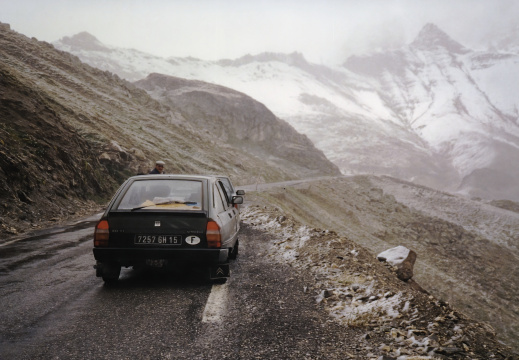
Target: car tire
(233, 254)
(109, 272)
(110, 281)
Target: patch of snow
(384, 309)
(394, 256)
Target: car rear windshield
(167, 194)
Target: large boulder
(402, 258)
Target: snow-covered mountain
(433, 112)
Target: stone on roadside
(402, 258)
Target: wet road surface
(53, 307)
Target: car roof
(220, 176)
(172, 177)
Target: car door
(226, 214)
(229, 193)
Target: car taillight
(214, 239)
(101, 233)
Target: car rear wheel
(108, 271)
(234, 252)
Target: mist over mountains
(433, 112)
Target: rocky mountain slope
(467, 250)
(433, 112)
(70, 133)
(238, 120)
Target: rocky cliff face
(240, 121)
(71, 133)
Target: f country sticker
(193, 240)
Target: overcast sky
(325, 31)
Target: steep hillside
(72, 133)
(467, 250)
(240, 121)
(433, 112)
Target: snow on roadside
(350, 296)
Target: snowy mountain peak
(432, 37)
(83, 41)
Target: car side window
(225, 192)
(219, 202)
(227, 186)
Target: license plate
(158, 239)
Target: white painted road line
(216, 304)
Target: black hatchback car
(160, 220)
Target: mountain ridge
(432, 112)
(238, 120)
(84, 41)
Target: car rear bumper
(132, 256)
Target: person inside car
(159, 167)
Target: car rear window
(167, 194)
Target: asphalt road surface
(53, 307)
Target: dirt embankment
(47, 171)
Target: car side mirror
(240, 192)
(237, 200)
